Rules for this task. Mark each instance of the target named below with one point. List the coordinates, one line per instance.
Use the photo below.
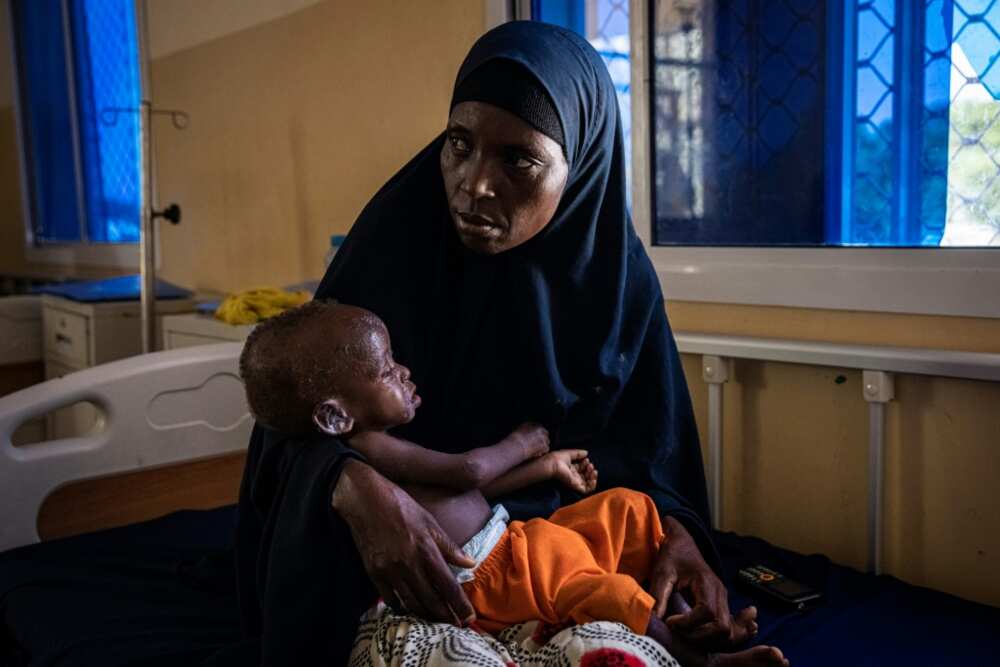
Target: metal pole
(715, 450)
(878, 389)
(715, 371)
(81, 190)
(147, 240)
(876, 468)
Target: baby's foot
(744, 625)
(574, 469)
(758, 656)
(742, 629)
(534, 438)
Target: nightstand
(191, 329)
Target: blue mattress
(144, 595)
(865, 620)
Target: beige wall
(300, 110)
(6, 69)
(11, 224)
(795, 445)
(294, 125)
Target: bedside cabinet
(79, 335)
(192, 329)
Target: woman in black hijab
(504, 263)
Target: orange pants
(582, 564)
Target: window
(812, 123)
(605, 24)
(77, 62)
(775, 167)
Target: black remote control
(778, 588)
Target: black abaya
(567, 329)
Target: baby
(330, 367)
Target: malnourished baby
(584, 563)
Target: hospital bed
(146, 592)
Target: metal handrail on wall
(878, 364)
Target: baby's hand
(573, 468)
(533, 437)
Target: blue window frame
(75, 61)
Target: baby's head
(327, 366)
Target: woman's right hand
(402, 546)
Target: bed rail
(878, 364)
(156, 409)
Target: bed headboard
(157, 409)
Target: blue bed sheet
(144, 595)
(125, 596)
(865, 620)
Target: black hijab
(567, 329)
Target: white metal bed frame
(188, 404)
(156, 409)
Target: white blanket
(389, 640)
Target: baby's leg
(592, 596)
(547, 572)
(690, 656)
(621, 527)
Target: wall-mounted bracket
(877, 386)
(714, 370)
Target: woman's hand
(403, 548)
(680, 568)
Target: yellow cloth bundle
(252, 306)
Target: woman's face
(503, 177)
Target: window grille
(76, 59)
(605, 24)
(803, 122)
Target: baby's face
(383, 397)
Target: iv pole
(147, 180)
(147, 185)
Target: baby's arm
(405, 462)
(569, 466)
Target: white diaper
(481, 544)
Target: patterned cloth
(389, 640)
